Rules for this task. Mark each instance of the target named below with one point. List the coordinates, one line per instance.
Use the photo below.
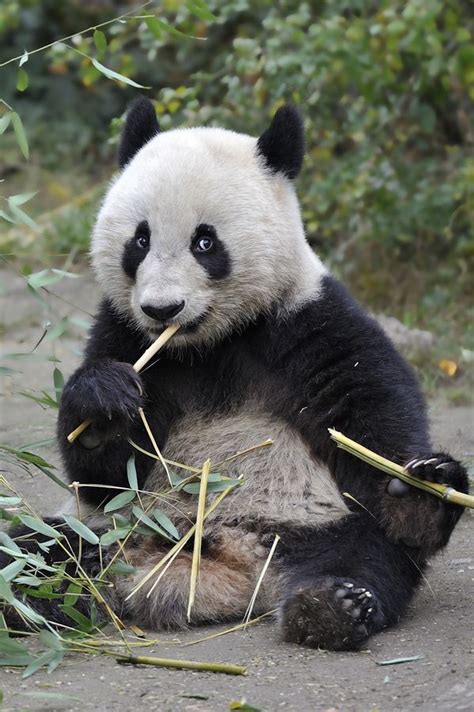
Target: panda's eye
(203, 244)
(143, 241)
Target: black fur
(216, 261)
(141, 125)
(134, 253)
(328, 366)
(282, 144)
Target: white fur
(186, 177)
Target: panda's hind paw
(332, 614)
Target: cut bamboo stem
(183, 664)
(196, 562)
(444, 492)
(142, 361)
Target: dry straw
(444, 492)
(142, 361)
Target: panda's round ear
(282, 144)
(140, 126)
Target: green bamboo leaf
(21, 198)
(201, 10)
(23, 217)
(120, 500)
(120, 568)
(5, 216)
(145, 519)
(72, 594)
(132, 473)
(40, 661)
(110, 74)
(113, 535)
(6, 593)
(28, 612)
(5, 122)
(22, 80)
(58, 380)
(166, 523)
(100, 40)
(81, 529)
(157, 27)
(11, 646)
(20, 135)
(9, 572)
(39, 526)
(9, 501)
(44, 278)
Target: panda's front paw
(418, 519)
(108, 394)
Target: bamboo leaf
(120, 500)
(100, 40)
(81, 529)
(22, 80)
(132, 473)
(9, 572)
(110, 74)
(21, 198)
(58, 380)
(166, 523)
(5, 122)
(145, 519)
(39, 526)
(39, 662)
(113, 535)
(201, 10)
(20, 134)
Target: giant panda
(202, 228)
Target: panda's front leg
(416, 518)
(108, 393)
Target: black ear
(140, 126)
(282, 144)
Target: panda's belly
(282, 483)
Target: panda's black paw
(418, 519)
(333, 614)
(108, 393)
(439, 467)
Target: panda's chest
(283, 482)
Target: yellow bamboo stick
(196, 562)
(142, 361)
(444, 492)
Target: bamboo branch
(182, 664)
(142, 361)
(444, 492)
(196, 562)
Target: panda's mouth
(187, 328)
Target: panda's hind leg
(345, 582)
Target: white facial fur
(186, 177)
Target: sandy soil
(438, 626)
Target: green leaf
(5, 122)
(157, 27)
(8, 542)
(132, 473)
(166, 523)
(100, 40)
(11, 646)
(22, 80)
(110, 74)
(28, 612)
(82, 621)
(120, 500)
(120, 568)
(145, 519)
(72, 594)
(5, 591)
(81, 529)
(113, 535)
(23, 217)
(4, 215)
(20, 135)
(44, 659)
(9, 501)
(201, 10)
(21, 198)
(9, 572)
(44, 278)
(58, 380)
(51, 640)
(39, 526)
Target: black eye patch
(136, 249)
(210, 252)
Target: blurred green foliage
(386, 87)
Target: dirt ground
(438, 626)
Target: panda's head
(202, 227)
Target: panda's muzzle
(163, 313)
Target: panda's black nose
(163, 313)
